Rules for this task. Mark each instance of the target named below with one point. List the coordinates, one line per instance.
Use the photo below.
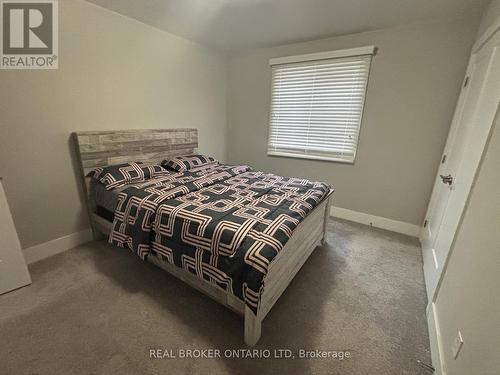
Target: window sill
(309, 157)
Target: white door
(13, 271)
(469, 132)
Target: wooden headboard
(102, 148)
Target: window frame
(313, 57)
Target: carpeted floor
(99, 310)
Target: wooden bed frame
(102, 148)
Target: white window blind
(317, 104)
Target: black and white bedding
(223, 223)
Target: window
(317, 104)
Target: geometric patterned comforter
(223, 223)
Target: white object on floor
(13, 271)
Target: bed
(108, 217)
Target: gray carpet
(99, 310)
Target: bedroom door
(13, 271)
(475, 113)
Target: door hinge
(466, 82)
(425, 223)
(443, 159)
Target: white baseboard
(56, 246)
(376, 221)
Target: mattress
(106, 199)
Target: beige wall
(491, 13)
(468, 298)
(114, 72)
(414, 84)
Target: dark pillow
(117, 175)
(184, 163)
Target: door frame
(489, 33)
(432, 318)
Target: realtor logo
(29, 34)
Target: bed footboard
(310, 233)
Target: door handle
(448, 179)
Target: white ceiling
(239, 24)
